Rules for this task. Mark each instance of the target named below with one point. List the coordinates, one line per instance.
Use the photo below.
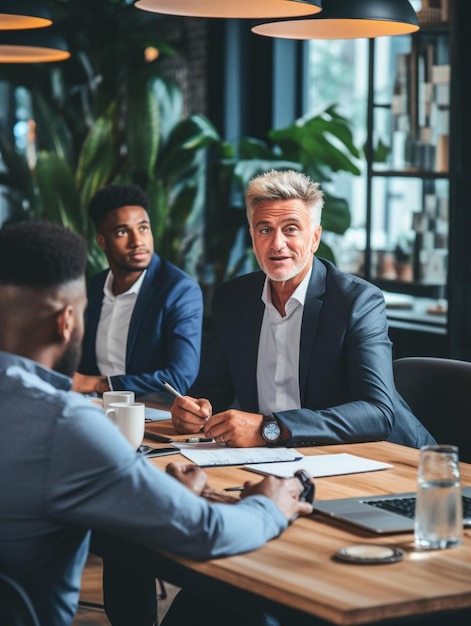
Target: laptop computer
(384, 514)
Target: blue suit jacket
(164, 338)
(346, 380)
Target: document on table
(321, 465)
(213, 454)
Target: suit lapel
(311, 313)
(253, 315)
(92, 318)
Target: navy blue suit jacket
(346, 380)
(164, 338)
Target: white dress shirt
(113, 327)
(278, 352)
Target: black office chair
(16, 609)
(438, 391)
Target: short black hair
(40, 254)
(114, 197)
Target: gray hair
(285, 185)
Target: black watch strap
(271, 429)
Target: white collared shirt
(113, 327)
(278, 352)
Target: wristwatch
(271, 431)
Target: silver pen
(177, 394)
(172, 390)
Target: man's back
(45, 556)
(65, 468)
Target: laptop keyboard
(406, 506)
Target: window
(337, 73)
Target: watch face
(271, 431)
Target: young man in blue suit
(144, 316)
(300, 351)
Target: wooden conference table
(296, 571)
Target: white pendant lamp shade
(251, 9)
(43, 45)
(18, 14)
(347, 19)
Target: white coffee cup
(130, 419)
(117, 396)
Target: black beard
(68, 364)
(132, 268)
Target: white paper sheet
(212, 454)
(321, 465)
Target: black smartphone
(150, 452)
(309, 487)
(156, 437)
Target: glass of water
(439, 508)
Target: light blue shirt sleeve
(97, 480)
(65, 469)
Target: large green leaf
(18, 177)
(251, 148)
(101, 134)
(336, 216)
(98, 177)
(187, 138)
(142, 128)
(325, 251)
(52, 131)
(96, 259)
(61, 201)
(171, 243)
(97, 159)
(158, 210)
(170, 99)
(321, 143)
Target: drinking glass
(439, 508)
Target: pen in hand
(177, 394)
(172, 390)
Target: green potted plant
(97, 124)
(109, 116)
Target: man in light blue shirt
(65, 469)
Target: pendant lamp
(17, 14)
(347, 19)
(254, 9)
(32, 46)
